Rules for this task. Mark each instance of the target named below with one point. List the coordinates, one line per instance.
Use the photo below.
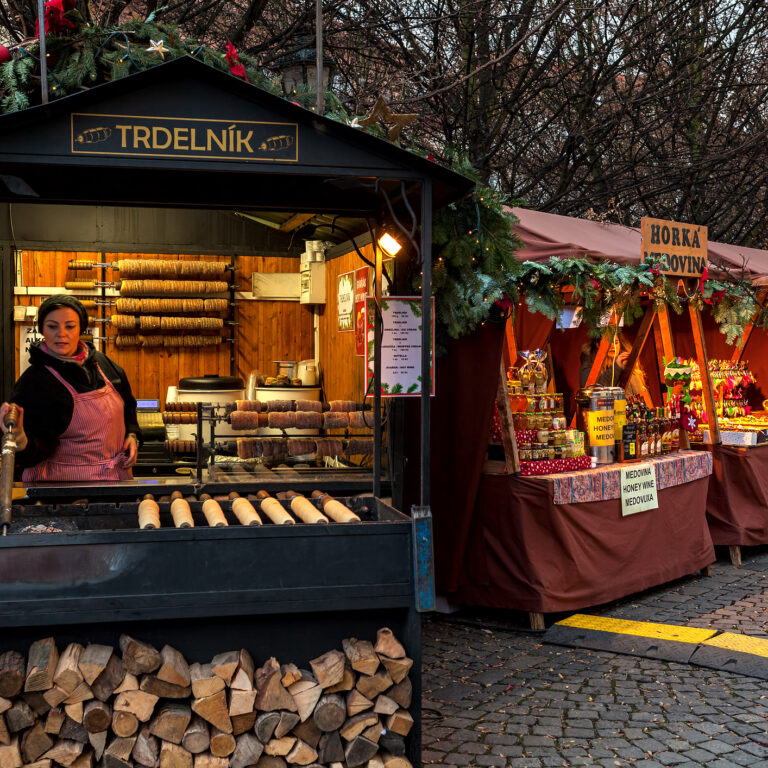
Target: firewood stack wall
(142, 707)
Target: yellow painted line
(757, 646)
(640, 628)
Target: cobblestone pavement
(495, 695)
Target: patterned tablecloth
(604, 483)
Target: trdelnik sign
(682, 248)
(183, 138)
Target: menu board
(400, 345)
(345, 301)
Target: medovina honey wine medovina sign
(682, 248)
(181, 137)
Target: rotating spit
(6, 471)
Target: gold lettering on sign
(156, 143)
(140, 136)
(212, 138)
(680, 249)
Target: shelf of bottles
(649, 432)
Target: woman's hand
(131, 449)
(21, 437)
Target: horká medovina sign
(681, 248)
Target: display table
(560, 543)
(737, 502)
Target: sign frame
(681, 247)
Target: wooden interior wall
(267, 330)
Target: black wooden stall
(292, 594)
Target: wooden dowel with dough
(149, 513)
(79, 285)
(243, 510)
(304, 509)
(338, 512)
(213, 512)
(273, 509)
(180, 511)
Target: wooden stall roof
(547, 234)
(56, 152)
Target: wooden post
(706, 379)
(508, 439)
(637, 347)
(510, 345)
(602, 351)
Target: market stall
(199, 261)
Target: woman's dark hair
(62, 301)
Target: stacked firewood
(144, 707)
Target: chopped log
(98, 742)
(270, 691)
(357, 724)
(271, 761)
(93, 661)
(361, 655)
(224, 665)
(42, 659)
(388, 645)
(55, 696)
(330, 749)
(385, 705)
(290, 674)
(64, 752)
(174, 756)
(281, 746)
(306, 694)
(243, 723)
(163, 689)
(393, 743)
(12, 665)
(222, 744)
(213, 709)
(397, 668)
(301, 754)
(400, 722)
(124, 724)
(373, 733)
(10, 755)
(330, 712)
(35, 743)
(347, 682)
(372, 685)
(247, 751)
(357, 703)
(37, 702)
(265, 725)
(308, 732)
(130, 683)
(75, 711)
(111, 676)
(209, 761)
(54, 720)
(5, 737)
(68, 675)
(170, 722)
(328, 668)
(146, 750)
(19, 717)
(85, 760)
(174, 668)
(40, 764)
(118, 753)
(287, 721)
(196, 738)
(97, 716)
(395, 761)
(138, 703)
(359, 751)
(402, 693)
(241, 702)
(81, 693)
(204, 682)
(74, 731)
(242, 680)
(5, 705)
(139, 658)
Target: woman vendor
(77, 416)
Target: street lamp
(299, 67)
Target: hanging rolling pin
(6, 472)
(80, 285)
(149, 513)
(243, 510)
(274, 510)
(213, 512)
(180, 511)
(337, 511)
(304, 509)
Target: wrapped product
(298, 446)
(249, 405)
(272, 447)
(327, 446)
(244, 420)
(357, 446)
(281, 420)
(335, 420)
(279, 405)
(308, 420)
(343, 406)
(309, 405)
(360, 420)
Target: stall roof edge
(449, 185)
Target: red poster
(361, 291)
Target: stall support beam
(426, 335)
(602, 351)
(706, 379)
(377, 272)
(637, 348)
(508, 437)
(6, 313)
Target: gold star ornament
(381, 111)
(158, 46)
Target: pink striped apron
(91, 447)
